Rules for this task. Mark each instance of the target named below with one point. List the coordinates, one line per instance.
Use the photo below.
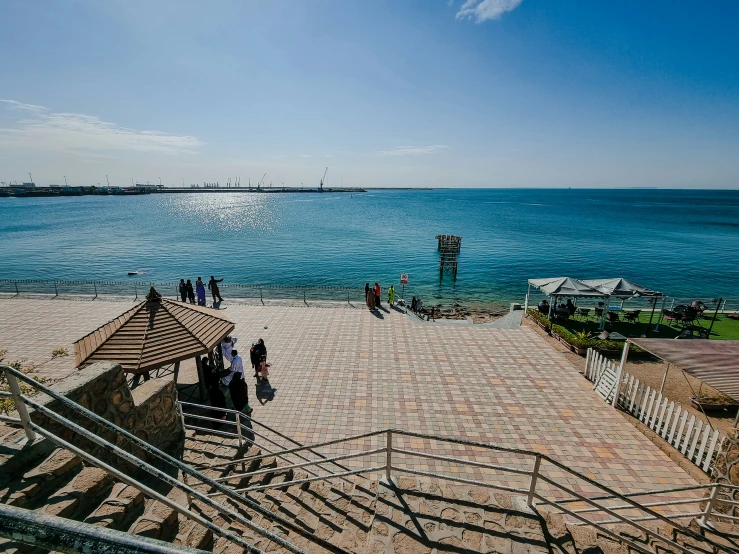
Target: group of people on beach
(372, 295)
(188, 293)
(224, 374)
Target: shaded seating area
(155, 334)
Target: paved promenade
(343, 371)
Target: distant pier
(18, 191)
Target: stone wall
(150, 411)
(726, 470)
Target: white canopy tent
(623, 289)
(562, 286)
(618, 288)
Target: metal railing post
(304, 300)
(56, 292)
(532, 485)
(389, 456)
(136, 292)
(17, 292)
(709, 507)
(261, 299)
(94, 285)
(238, 429)
(15, 390)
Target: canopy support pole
(549, 315)
(664, 378)
(662, 313)
(526, 304)
(605, 313)
(176, 372)
(619, 373)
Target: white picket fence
(691, 436)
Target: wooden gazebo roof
(153, 334)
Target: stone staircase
(353, 515)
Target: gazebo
(555, 287)
(623, 289)
(154, 334)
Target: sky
(386, 93)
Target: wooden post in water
(448, 247)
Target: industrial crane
(259, 184)
(324, 178)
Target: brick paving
(343, 371)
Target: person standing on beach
(377, 295)
(190, 292)
(213, 286)
(183, 290)
(200, 289)
(366, 291)
(391, 295)
(370, 297)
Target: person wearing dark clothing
(257, 354)
(236, 384)
(366, 291)
(183, 290)
(190, 292)
(414, 304)
(213, 286)
(215, 395)
(570, 307)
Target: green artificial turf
(723, 329)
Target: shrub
(534, 314)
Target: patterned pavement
(344, 371)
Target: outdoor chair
(598, 312)
(583, 312)
(632, 317)
(612, 317)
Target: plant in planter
(713, 402)
(540, 320)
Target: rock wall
(150, 411)
(726, 470)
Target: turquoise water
(684, 243)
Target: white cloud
(482, 10)
(25, 107)
(414, 150)
(80, 133)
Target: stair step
(75, 500)
(115, 512)
(36, 484)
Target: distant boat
(133, 272)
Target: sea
(684, 243)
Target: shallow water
(684, 243)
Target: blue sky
(476, 93)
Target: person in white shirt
(227, 345)
(236, 385)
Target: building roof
(715, 362)
(153, 334)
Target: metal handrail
(60, 534)
(12, 375)
(238, 435)
(535, 474)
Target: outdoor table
(616, 336)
